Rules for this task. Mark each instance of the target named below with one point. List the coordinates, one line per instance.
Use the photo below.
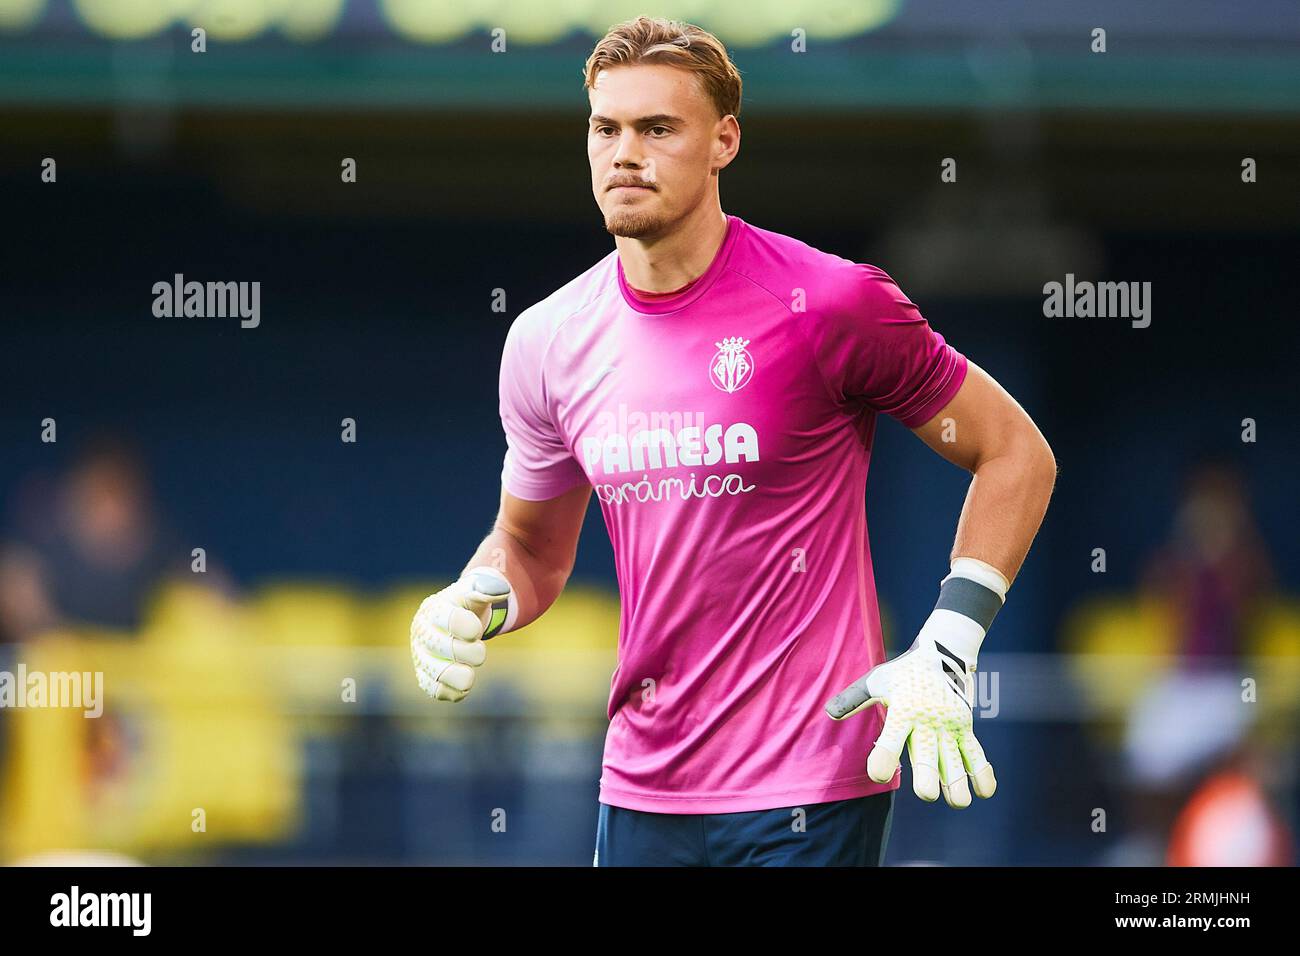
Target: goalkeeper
(716, 385)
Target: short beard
(630, 224)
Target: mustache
(630, 182)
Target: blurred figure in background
(1230, 820)
(1215, 571)
(87, 548)
(1194, 722)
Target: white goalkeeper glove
(929, 693)
(448, 631)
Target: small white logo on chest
(732, 366)
(596, 379)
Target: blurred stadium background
(1118, 691)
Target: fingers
(952, 773)
(443, 645)
(438, 690)
(850, 700)
(436, 613)
(977, 765)
(882, 764)
(923, 751)
(442, 679)
(446, 642)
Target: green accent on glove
(497, 619)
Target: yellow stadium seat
(1117, 646)
(181, 611)
(186, 727)
(308, 614)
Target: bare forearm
(1005, 506)
(536, 581)
(534, 544)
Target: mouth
(616, 188)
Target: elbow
(1026, 452)
(1043, 464)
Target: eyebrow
(654, 120)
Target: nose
(628, 154)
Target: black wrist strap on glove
(970, 599)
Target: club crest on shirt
(732, 366)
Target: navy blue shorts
(841, 833)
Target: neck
(668, 262)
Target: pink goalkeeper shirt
(727, 431)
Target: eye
(664, 129)
(600, 130)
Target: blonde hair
(672, 43)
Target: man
(716, 385)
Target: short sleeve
(873, 346)
(537, 463)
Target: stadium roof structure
(795, 55)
